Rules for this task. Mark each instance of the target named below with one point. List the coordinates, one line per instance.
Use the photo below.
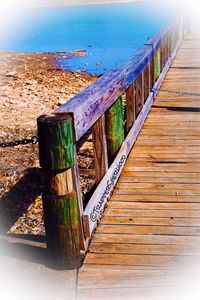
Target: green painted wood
(157, 65)
(56, 141)
(60, 200)
(114, 128)
(62, 230)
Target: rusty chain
(33, 140)
(178, 92)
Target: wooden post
(176, 35)
(152, 76)
(61, 209)
(172, 41)
(180, 29)
(114, 128)
(130, 107)
(161, 57)
(163, 54)
(139, 93)
(157, 68)
(147, 82)
(100, 149)
(166, 50)
(168, 46)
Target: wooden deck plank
(151, 227)
(116, 248)
(136, 260)
(121, 202)
(167, 213)
(150, 292)
(146, 239)
(158, 179)
(148, 221)
(137, 197)
(153, 186)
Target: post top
(54, 118)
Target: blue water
(109, 33)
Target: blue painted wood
(89, 105)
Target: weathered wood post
(139, 93)
(168, 46)
(114, 128)
(100, 149)
(157, 65)
(172, 41)
(130, 107)
(152, 76)
(147, 82)
(163, 52)
(60, 203)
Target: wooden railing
(113, 109)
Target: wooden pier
(140, 227)
(150, 230)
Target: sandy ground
(30, 85)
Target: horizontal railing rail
(88, 106)
(112, 110)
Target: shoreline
(30, 85)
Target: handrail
(95, 207)
(114, 109)
(88, 106)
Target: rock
(61, 102)
(2, 133)
(10, 74)
(31, 82)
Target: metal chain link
(189, 93)
(178, 92)
(33, 140)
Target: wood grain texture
(152, 219)
(139, 93)
(100, 149)
(114, 129)
(88, 106)
(157, 64)
(147, 81)
(56, 146)
(130, 107)
(62, 229)
(102, 193)
(62, 209)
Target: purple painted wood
(104, 190)
(89, 105)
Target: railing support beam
(114, 128)
(130, 107)
(157, 65)
(100, 149)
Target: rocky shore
(30, 85)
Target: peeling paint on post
(57, 152)
(114, 128)
(61, 210)
(157, 65)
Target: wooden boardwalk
(150, 232)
